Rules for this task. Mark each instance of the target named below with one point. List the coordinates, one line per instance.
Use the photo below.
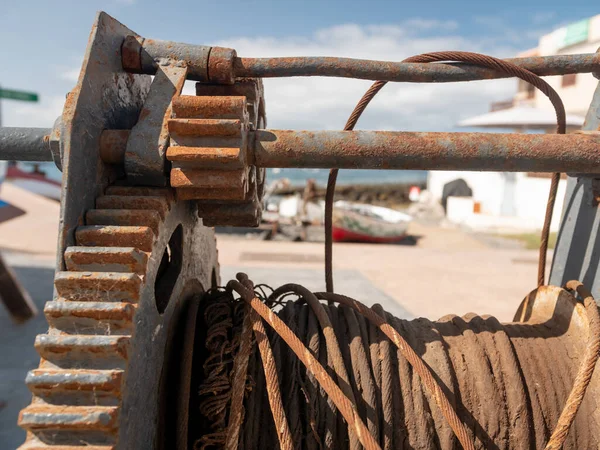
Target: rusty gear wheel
(115, 358)
(210, 135)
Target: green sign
(575, 33)
(18, 95)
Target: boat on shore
(34, 178)
(358, 222)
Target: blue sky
(42, 43)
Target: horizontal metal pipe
(145, 55)
(25, 144)
(408, 72)
(428, 151)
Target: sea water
(298, 177)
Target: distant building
(517, 201)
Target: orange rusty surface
(226, 156)
(226, 194)
(133, 259)
(63, 344)
(141, 237)
(220, 65)
(159, 204)
(113, 144)
(124, 217)
(205, 127)
(427, 151)
(118, 311)
(110, 385)
(209, 107)
(198, 178)
(141, 191)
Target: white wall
(529, 197)
(487, 187)
(576, 98)
(532, 198)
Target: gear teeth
(182, 128)
(98, 286)
(71, 425)
(211, 179)
(207, 106)
(90, 317)
(41, 446)
(206, 156)
(156, 203)
(96, 351)
(140, 191)
(208, 150)
(76, 386)
(115, 236)
(113, 259)
(124, 217)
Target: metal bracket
(148, 141)
(577, 253)
(105, 97)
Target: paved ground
(424, 280)
(17, 354)
(447, 271)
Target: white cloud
(325, 103)
(70, 74)
(42, 114)
(543, 17)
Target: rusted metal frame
(105, 97)
(577, 251)
(147, 144)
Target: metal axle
(367, 150)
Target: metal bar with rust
(222, 65)
(578, 152)
(428, 151)
(407, 72)
(25, 144)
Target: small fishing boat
(34, 178)
(366, 223)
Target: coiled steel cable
(495, 376)
(480, 60)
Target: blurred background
(469, 238)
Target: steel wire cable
(494, 375)
(472, 58)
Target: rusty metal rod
(408, 150)
(25, 144)
(428, 151)
(408, 72)
(144, 55)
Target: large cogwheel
(116, 360)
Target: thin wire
(480, 60)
